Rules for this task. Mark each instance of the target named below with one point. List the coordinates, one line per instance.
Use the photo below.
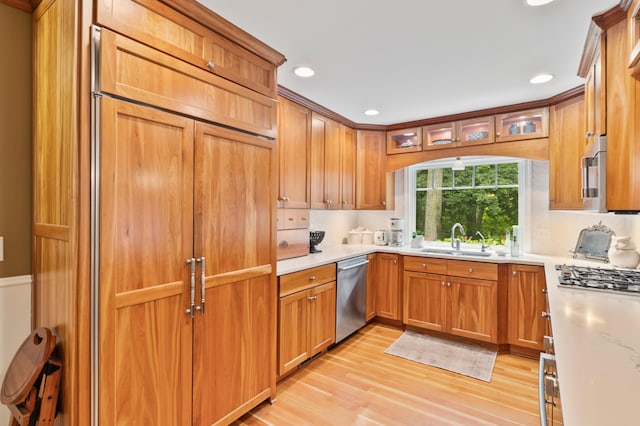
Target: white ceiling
(416, 59)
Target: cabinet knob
(424, 265)
(291, 219)
(211, 65)
(329, 201)
(514, 273)
(312, 298)
(544, 290)
(448, 284)
(497, 133)
(589, 134)
(442, 283)
(395, 261)
(384, 203)
(545, 314)
(312, 278)
(470, 270)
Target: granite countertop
(597, 344)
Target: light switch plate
(1, 249)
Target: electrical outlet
(1, 249)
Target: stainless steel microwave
(594, 175)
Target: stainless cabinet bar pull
(191, 311)
(202, 279)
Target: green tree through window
(481, 197)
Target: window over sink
(487, 196)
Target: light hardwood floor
(356, 383)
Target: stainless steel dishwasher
(351, 297)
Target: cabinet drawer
(297, 281)
(184, 38)
(135, 71)
(481, 270)
(425, 264)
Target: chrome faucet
(455, 242)
(484, 246)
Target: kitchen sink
(450, 251)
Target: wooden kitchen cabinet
(136, 217)
(522, 125)
(332, 171)
(566, 149)
(404, 140)
(527, 301)
(307, 320)
(202, 41)
(464, 302)
(595, 94)
(473, 131)
(388, 296)
(374, 185)
(294, 151)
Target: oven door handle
(544, 358)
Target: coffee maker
(396, 228)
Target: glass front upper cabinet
(476, 131)
(438, 136)
(521, 125)
(404, 140)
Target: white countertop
(597, 345)
(596, 336)
(344, 251)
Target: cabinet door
(294, 139)
(425, 300)
(387, 286)
(234, 230)
(527, 301)
(522, 125)
(293, 347)
(437, 136)
(404, 140)
(348, 169)
(476, 131)
(322, 317)
(565, 152)
(146, 235)
(374, 185)
(371, 287)
(317, 164)
(473, 307)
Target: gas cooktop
(626, 281)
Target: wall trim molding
(15, 281)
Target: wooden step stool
(30, 387)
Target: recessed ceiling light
(537, 2)
(541, 78)
(371, 112)
(303, 72)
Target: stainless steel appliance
(623, 281)
(351, 296)
(594, 174)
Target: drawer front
(184, 38)
(135, 71)
(425, 264)
(297, 281)
(480, 270)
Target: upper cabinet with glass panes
(473, 131)
(522, 125)
(404, 140)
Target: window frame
(524, 184)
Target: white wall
(15, 323)
(547, 232)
